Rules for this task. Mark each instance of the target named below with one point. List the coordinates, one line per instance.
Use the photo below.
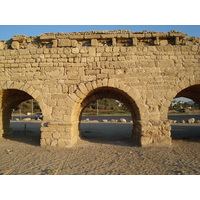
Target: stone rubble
(191, 120)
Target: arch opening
(18, 116)
(184, 112)
(109, 130)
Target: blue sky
(7, 31)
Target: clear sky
(7, 31)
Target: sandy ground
(100, 154)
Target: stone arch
(107, 88)
(114, 93)
(190, 92)
(179, 90)
(25, 87)
(77, 97)
(189, 132)
(12, 94)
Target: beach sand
(102, 156)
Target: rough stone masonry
(64, 72)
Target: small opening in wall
(86, 43)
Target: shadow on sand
(32, 140)
(187, 132)
(25, 132)
(104, 133)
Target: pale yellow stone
(66, 71)
(15, 45)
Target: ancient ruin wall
(99, 39)
(65, 71)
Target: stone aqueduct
(64, 72)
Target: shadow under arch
(10, 99)
(113, 93)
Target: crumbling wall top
(98, 39)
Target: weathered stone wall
(66, 71)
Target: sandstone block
(69, 102)
(19, 38)
(114, 41)
(74, 43)
(1, 45)
(145, 141)
(50, 36)
(54, 43)
(15, 45)
(105, 82)
(92, 51)
(23, 51)
(134, 41)
(111, 82)
(163, 42)
(79, 94)
(83, 60)
(107, 71)
(88, 78)
(48, 141)
(56, 135)
(84, 50)
(74, 97)
(45, 134)
(108, 35)
(83, 88)
(42, 142)
(64, 43)
(108, 49)
(100, 50)
(94, 42)
(64, 142)
(54, 143)
(75, 50)
(157, 41)
(55, 56)
(36, 94)
(89, 86)
(91, 36)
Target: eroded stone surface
(64, 72)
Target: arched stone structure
(185, 90)
(11, 95)
(10, 99)
(191, 92)
(110, 88)
(65, 71)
